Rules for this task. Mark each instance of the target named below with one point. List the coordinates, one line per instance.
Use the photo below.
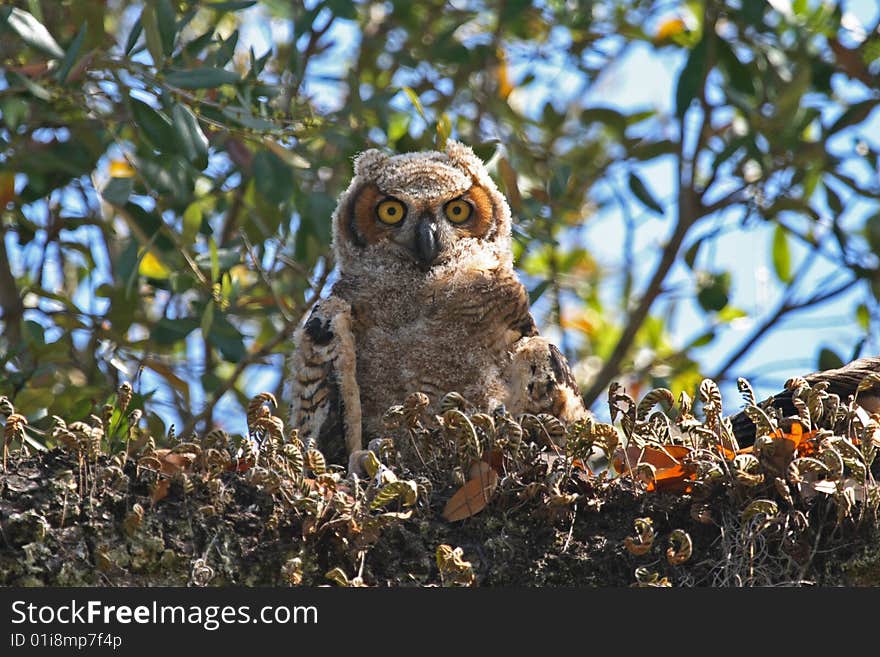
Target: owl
(427, 300)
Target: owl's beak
(427, 246)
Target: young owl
(427, 300)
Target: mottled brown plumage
(427, 301)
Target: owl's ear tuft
(366, 163)
(464, 157)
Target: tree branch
(10, 299)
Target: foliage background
(169, 168)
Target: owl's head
(420, 213)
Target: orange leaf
(495, 458)
(669, 473)
(121, 169)
(791, 441)
(473, 497)
(160, 491)
(669, 28)
(171, 463)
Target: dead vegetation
(661, 496)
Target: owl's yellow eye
(391, 211)
(458, 211)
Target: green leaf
(155, 125)
(610, 117)
(230, 6)
(730, 313)
(713, 294)
(32, 32)
(168, 174)
(691, 77)
(207, 318)
(134, 35)
(215, 260)
(150, 23)
(117, 191)
(863, 315)
(444, 129)
(14, 111)
(855, 113)
(536, 292)
(648, 150)
(72, 53)
(690, 256)
(872, 232)
(192, 222)
(833, 200)
(414, 99)
(227, 339)
(343, 9)
(828, 360)
(165, 23)
(702, 340)
(781, 254)
(201, 78)
(273, 177)
(638, 187)
(737, 73)
(168, 331)
(147, 227)
(193, 142)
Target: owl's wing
(843, 382)
(325, 398)
(542, 382)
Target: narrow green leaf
(215, 260)
(192, 222)
(536, 292)
(227, 339)
(155, 126)
(781, 255)
(150, 23)
(193, 142)
(147, 227)
(690, 256)
(134, 35)
(855, 113)
(273, 178)
(610, 117)
(33, 32)
(414, 99)
(444, 129)
(230, 6)
(165, 23)
(648, 150)
(638, 187)
(207, 318)
(691, 77)
(828, 360)
(863, 315)
(833, 200)
(201, 78)
(72, 54)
